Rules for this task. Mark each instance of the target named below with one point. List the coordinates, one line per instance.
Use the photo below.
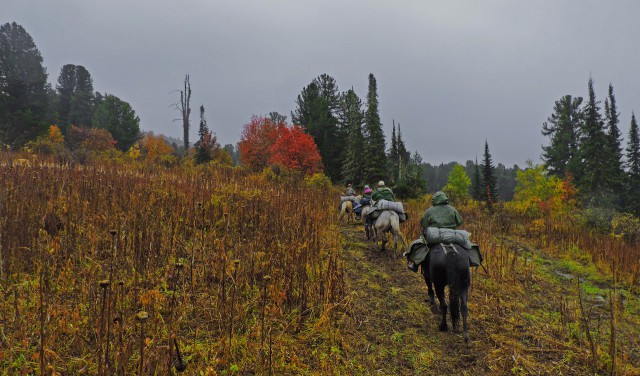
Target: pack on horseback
(383, 216)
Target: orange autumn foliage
(264, 143)
(155, 147)
(55, 135)
(255, 142)
(90, 139)
(296, 150)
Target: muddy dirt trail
(389, 325)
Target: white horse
(388, 221)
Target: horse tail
(458, 275)
(458, 270)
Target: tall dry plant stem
(120, 321)
(42, 309)
(236, 264)
(264, 305)
(180, 364)
(172, 304)
(613, 321)
(142, 317)
(586, 328)
(104, 285)
(112, 256)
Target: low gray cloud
(451, 73)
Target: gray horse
(388, 221)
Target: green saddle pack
(419, 250)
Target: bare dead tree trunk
(185, 110)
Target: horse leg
(425, 273)
(443, 307)
(454, 303)
(395, 242)
(464, 297)
(384, 241)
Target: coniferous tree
(413, 183)
(633, 167)
(24, 91)
(375, 147)
(476, 184)
(317, 111)
(65, 88)
(393, 158)
(75, 96)
(204, 145)
(561, 155)
(633, 148)
(117, 117)
(353, 157)
(82, 100)
(404, 156)
(595, 181)
(489, 188)
(614, 163)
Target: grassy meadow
(131, 269)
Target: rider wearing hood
(441, 214)
(383, 193)
(367, 192)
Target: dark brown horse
(448, 265)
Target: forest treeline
(74, 120)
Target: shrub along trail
(524, 316)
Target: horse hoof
(443, 328)
(465, 337)
(434, 309)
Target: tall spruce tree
(24, 91)
(633, 148)
(393, 156)
(317, 111)
(476, 184)
(375, 151)
(353, 156)
(595, 181)
(614, 163)
(82, 100)
(561, 156)
(404, 156)
(203, 152)
(633, 166)
(75, 96)
(489, 180)
(65, 88)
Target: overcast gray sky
(452, 73)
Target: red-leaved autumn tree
(296, 150)
(255, 143)
(264, 142)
